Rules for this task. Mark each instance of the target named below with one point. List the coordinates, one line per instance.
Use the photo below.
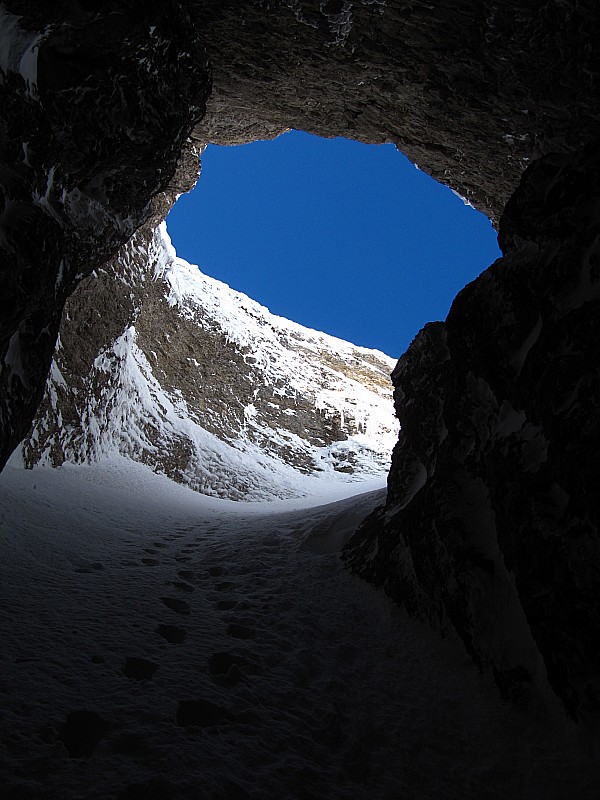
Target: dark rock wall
(491, 524)
(492, 502)
(96, 108)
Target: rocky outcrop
(201, 383)
(490, 529)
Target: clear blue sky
(347, 238)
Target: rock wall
(490, 529)
(96, 108)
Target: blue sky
(347, 238)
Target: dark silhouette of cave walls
(490, 530)
(96, 108)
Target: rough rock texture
(490, 528)
(471, 91)
(182, 373)
(96, 108)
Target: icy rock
(207, 386)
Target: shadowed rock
(490, 528)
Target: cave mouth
(340, 236)
(353, 231)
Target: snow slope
(208, 387)
(157, 643)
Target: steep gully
(490, 529)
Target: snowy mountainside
(207, 386)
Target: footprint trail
(161, 644)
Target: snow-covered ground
(157, 643)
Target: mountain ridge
(183, 373)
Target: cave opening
(340, 236)
(305, 681)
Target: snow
(463, 199)
(281, 348)
(137, 400)
(124, 407)
(301, 681)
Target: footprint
(225, 668)
(150, 562)
(187, 574)
(158, 544)
(176, 605)
(223, 586)
(81, 732)
(86, 569)
(238, 631)
(171, 633)
(183, 586)
(201, 713)
(214, 572)
(139, 669)
(183, 559)
(226, 605)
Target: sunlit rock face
(491, 524)
(201, 383)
